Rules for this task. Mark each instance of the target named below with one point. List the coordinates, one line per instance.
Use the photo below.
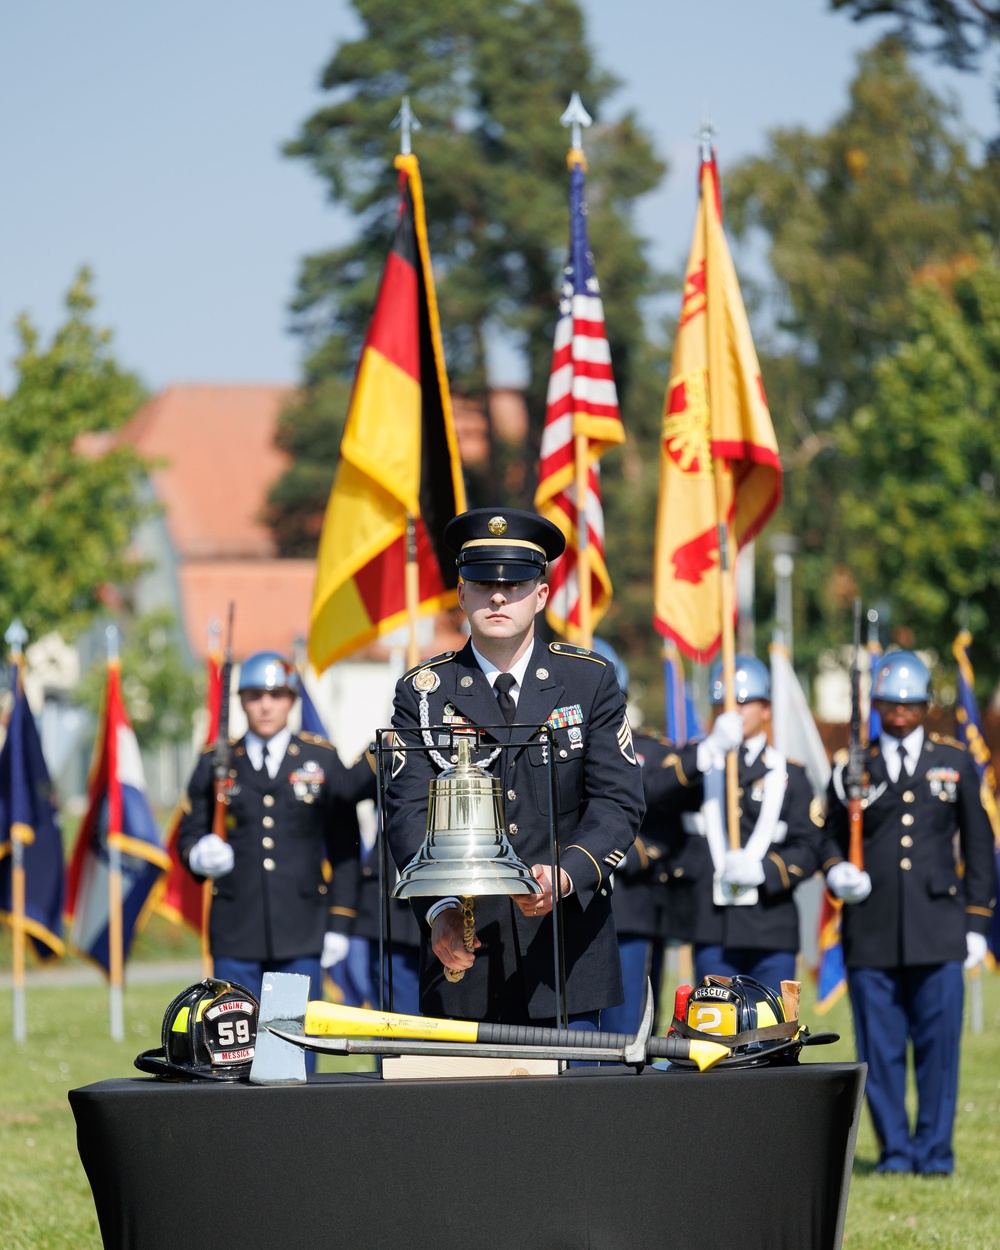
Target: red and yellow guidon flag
(715, 419)
(398, 458)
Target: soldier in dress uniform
(913, 915)
(291, 819)
(640, 895)
(506, 674)
(743, 916)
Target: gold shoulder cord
(468, 935)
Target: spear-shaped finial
(214, 633)
(706, 139)
(15, 637)
(405, 122)
(111, 633)
(576, 116)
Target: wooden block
(448, 1068)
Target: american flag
(582, 399)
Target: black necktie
(502, 686)
(904, 764)
(263, 759)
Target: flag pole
(406, 122)
(116, 960)
(577, 117)
(722, 477)
(16, 636)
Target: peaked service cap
(502, 544)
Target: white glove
(211, 856)
(726, 736)
(742, 869)
(975, 944)
(848, 882)
(335, 947)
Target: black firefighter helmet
(745, 1015)
(209, 1033)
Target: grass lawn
(45, 1200)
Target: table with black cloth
(600, 1158)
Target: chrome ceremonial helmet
(209, 1033)
(268, 670)
(753, 680)
(901, 677)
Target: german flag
(398, 458)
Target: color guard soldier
(291, 812)
(504, 673)
(914, 915)
(744, 919)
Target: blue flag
(682, 723)
(311, 721)
(28, 813)
(970, 730)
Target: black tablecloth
(595, 1158)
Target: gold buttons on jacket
(512, 828)
(563, 754)
(511, 796)
(269, 865)
(905, 865)
(908, 818)
(678, 872)
(268, 822)
(268, 800)
(907, 796)
(906, 840)
(267, 844)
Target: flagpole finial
(16, 636)
(706, 139)
(405, 122)
(577, 117)
(111, 633)
(214, 633)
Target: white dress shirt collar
(276, 749)
(753, 747)
(913, 744)
(492, 672)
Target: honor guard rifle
(854, 772)
(221, 757)
(221, 760)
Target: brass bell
(465, 850)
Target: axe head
(284, 998)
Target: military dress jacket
(772, 922)
(922, 902)
(642, 900)
(599, 807)
(295, 842)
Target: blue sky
(144, 140)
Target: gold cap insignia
(425, 681)
(496, 525)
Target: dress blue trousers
(922, 1005)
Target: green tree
(69, 504)
(926, 466)
(849, 217)
(959, 30)
(489, 84)
(160, 689)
